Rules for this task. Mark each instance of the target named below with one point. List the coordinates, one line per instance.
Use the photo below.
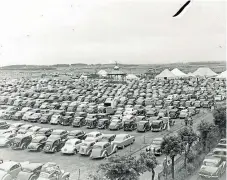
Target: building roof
(116, 71)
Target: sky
(46, 32)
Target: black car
(45, 118)
(143, 126)
(79, 134)
(4, 125)
(79, 121)
(91, 123)
(103, 123)
(54, 144)
(130, 125)
(44, 132)
(21, 141)
(37, 144)
(174, 113)
(66, 120)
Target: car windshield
(212, 164)
(97, 147)
(222, 146)
(219, 153)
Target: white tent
(204, 71)
(102, 73)
(223, 75)
(165, 74)
(131, 76)
(178, 73)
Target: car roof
(121, 135)
(7, 165)
(94, 132)
(30, 166)
(102, 143)
(73, 140)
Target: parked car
(34, 117)
(21, 141)
(54, 144)
(66, 120)
(6, 139)
(45, 118)
(116, 124)
(9, 170)
(123, 140)
(108, 137)
(155, 146)
(86, 147)
(79, 122)
(94, 136)
(72, 146)
(29, 171)
(91, 121)
(79, 134)
(103, 123)
(130, 124)
(103, 150)
(157, 125)
(37, 143)
(143, 125)
(51, 171)
(55, 119)
(44, 132)
(4, 125)
(212, 168)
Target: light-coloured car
(55, 119)
(123, 140)
(155, 146)
(212, 168)
(6, 139)
(86, 147)
(103, 149)
(71, 146)
(10, 169)
(94, 136)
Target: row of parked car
(34, 138)
(214, 164)
(99, 104)
(11, 170)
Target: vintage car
(79, 122)
(86, 147)
(79, 134)
(116, 124)
(103, 123)
(192, 110)
(183, 114)
(21, 141)
(25, 126)
(143, 124)
(140, 109)
(34, 117)
(130, 111)
(207, 104)
(123, 140)
(51, 171)
(54, 144)
(108, 137)
(102, 116)
(60, 132)
(55, 119)
(162, 113)
(130, 124)
(45, 118)
(44, 132)
(155, 146)
(29, 171)
(94, 136)
(19, 114)
(91, 120)
(103, 150)
(218, 98)
(157, 125)
(6, 139)
(9, 170)
(174, 113)
(220, 153)
(72, 146)
(66, 120)
(27, 115)
(212, 168)
(152, 112)
(37, 143)
(4, 125)
(198, 104)
(8, 114)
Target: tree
(220, 119)
(172, 146)
(122, 168)
(126, 167)
(188, 136)
(209, 134)
(149, 161)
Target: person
(165, 167)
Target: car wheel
(55, 150)
(39, 149)
(66, 178)
(89, 153)
(75, 151)
(23, 146)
